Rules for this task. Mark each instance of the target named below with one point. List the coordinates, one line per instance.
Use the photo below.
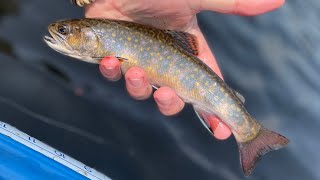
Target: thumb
(241, 7)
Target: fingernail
(136, 82)
(164, 102)
(222, 132)
(109, 69)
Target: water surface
(271, 59)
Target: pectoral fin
(155, 86)
(121, 59)
(98, 59)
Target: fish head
(73, 38)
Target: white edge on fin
(242, 99)
(154, 86)
(204, 123)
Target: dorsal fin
(185, 40)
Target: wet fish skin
(167, 63)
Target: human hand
(175, 15)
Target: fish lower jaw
(51, 42)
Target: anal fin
(242, 99)
(204, 122)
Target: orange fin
(186, 41)
(252, 151)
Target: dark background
(271, 59)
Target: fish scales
(167, 65)
(171, 63)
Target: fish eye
(63, 29)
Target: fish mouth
(56, 43)
(50, 41)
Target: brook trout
(169, 59)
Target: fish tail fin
(253, 150)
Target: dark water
(271, 59)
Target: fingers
(136, 80)
(168, 101)
(241, 7)
(137, 83)
(110, 68)
(220, 130)
(169, 104)
(139, 88)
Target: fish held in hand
(169, 59)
